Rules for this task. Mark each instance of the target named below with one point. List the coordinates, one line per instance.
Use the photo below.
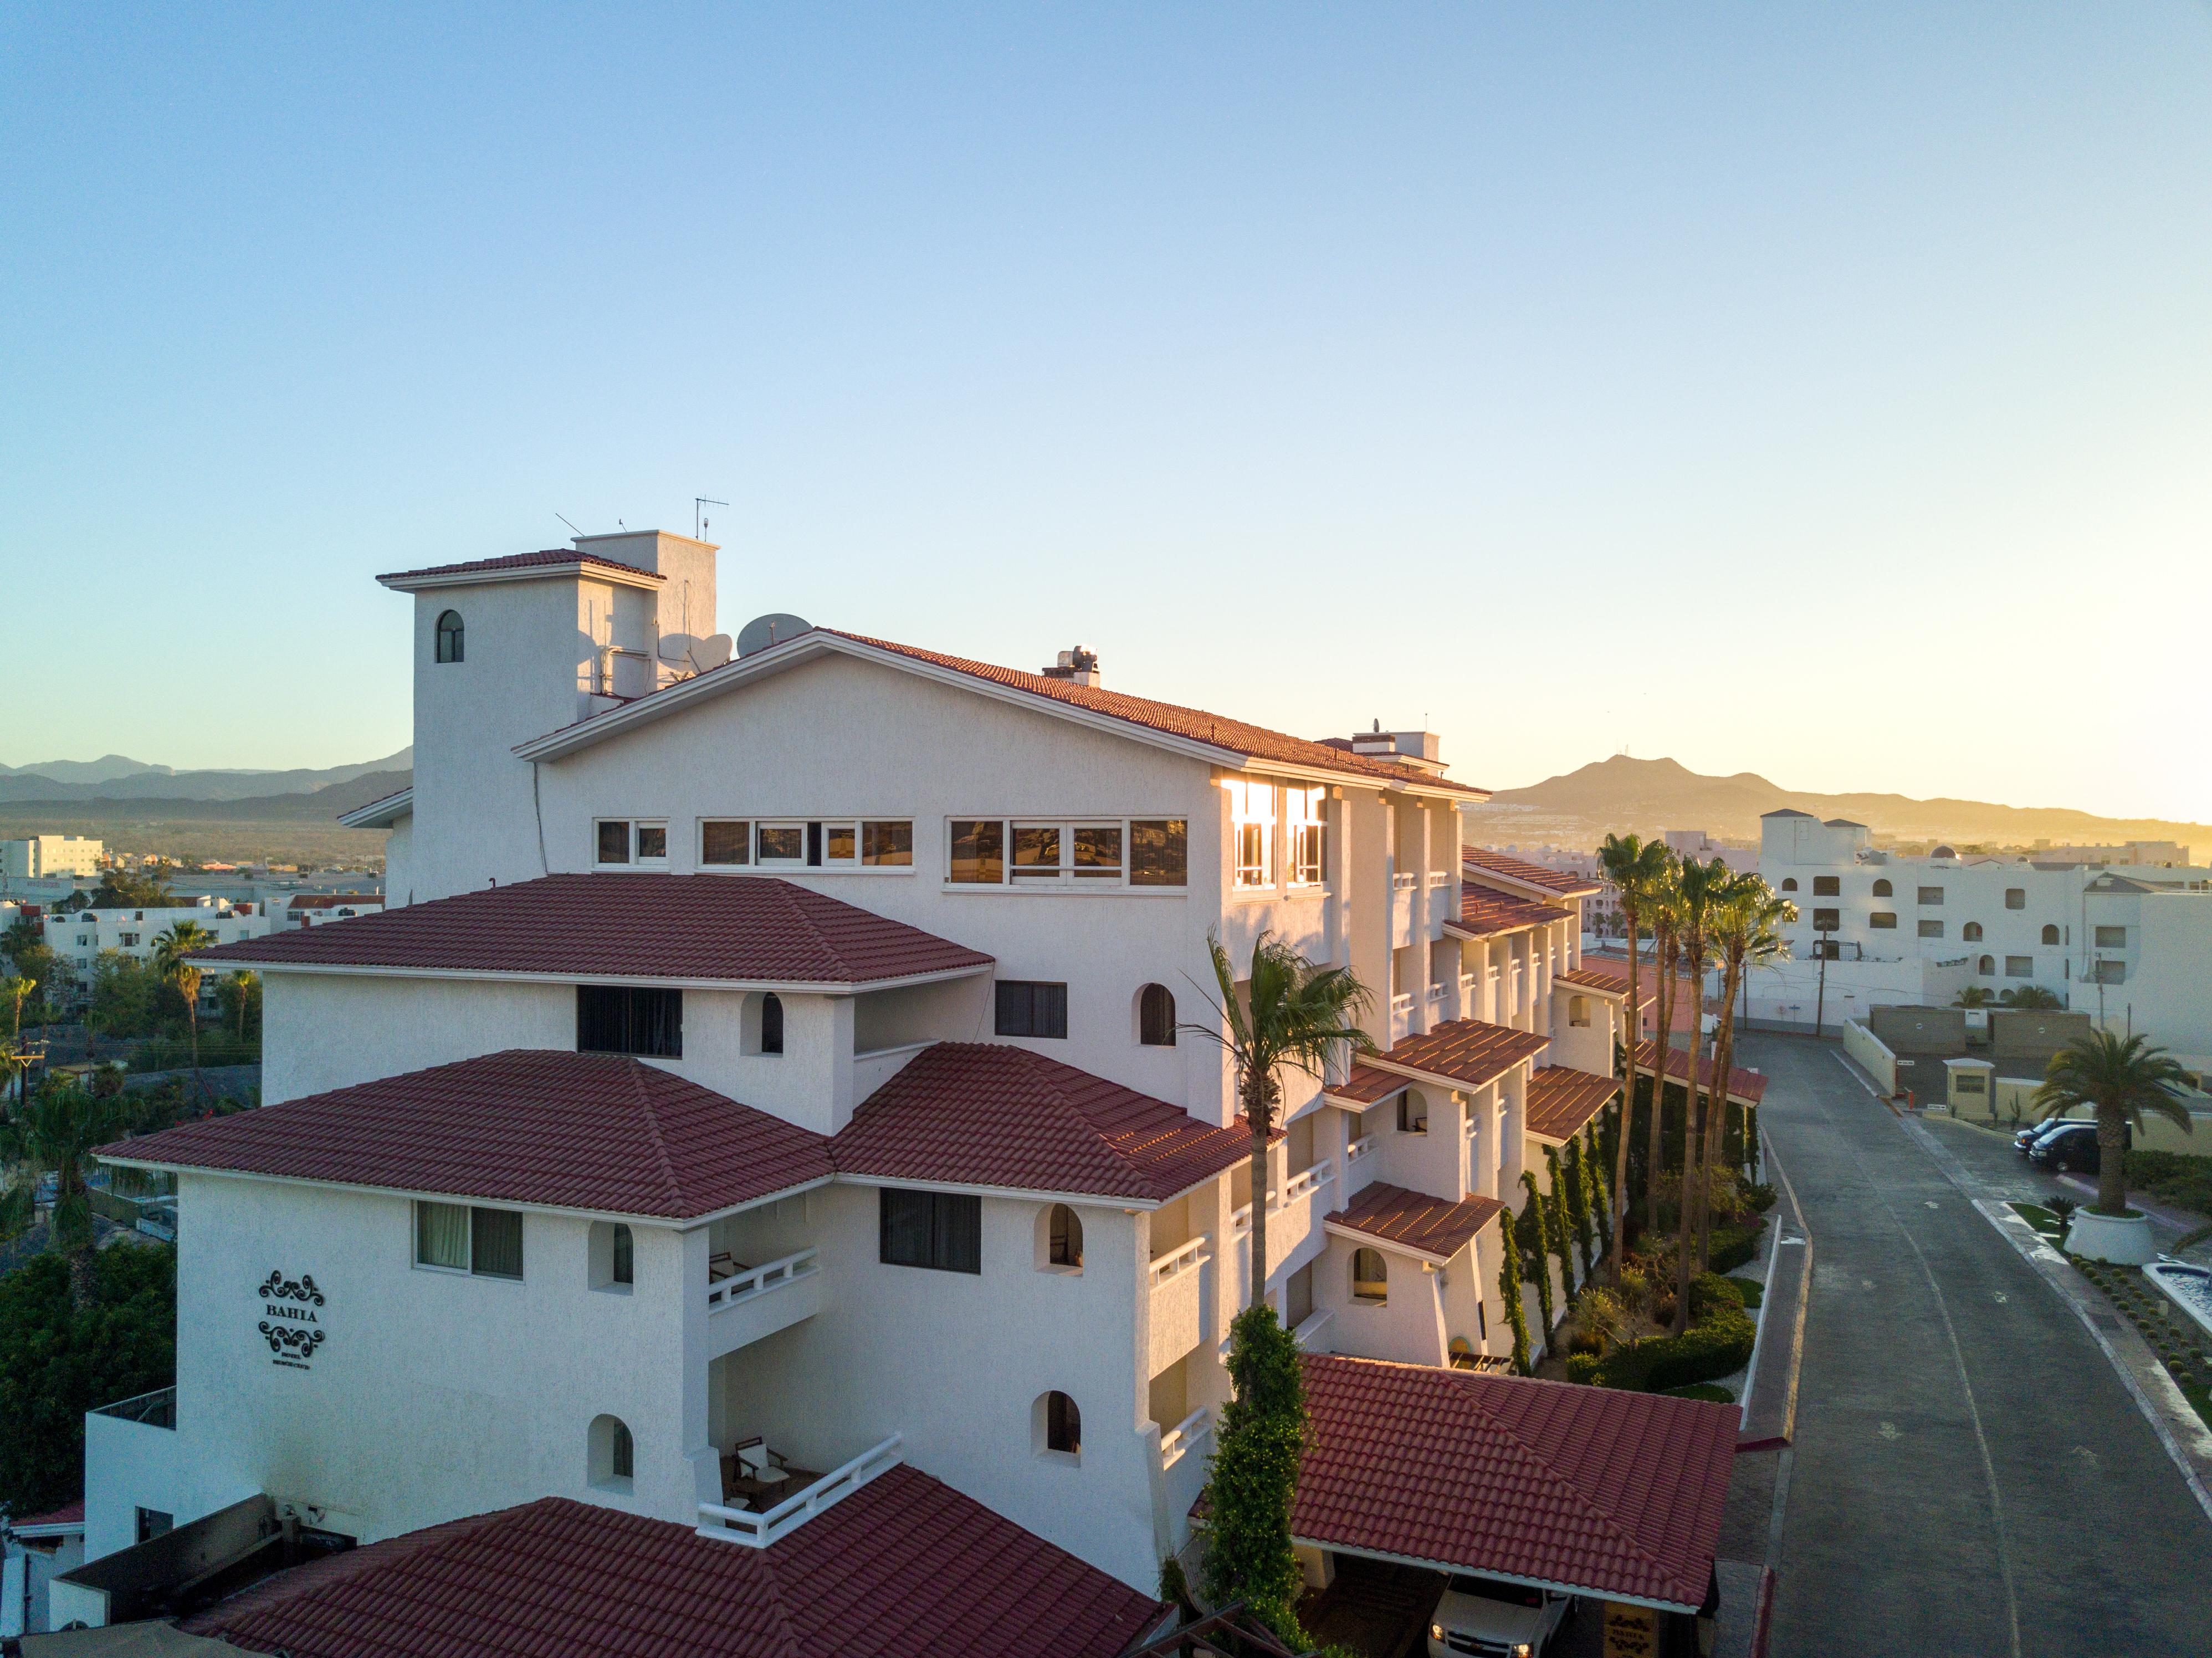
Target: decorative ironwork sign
(288, 1321)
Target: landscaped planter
(2123, 1239)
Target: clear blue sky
(1823, 390)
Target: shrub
(1760, 1197)
(1254, 1474)
(1718, 1343)
(1585, 1367)
(1735, 1247)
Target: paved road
(1969, 1476)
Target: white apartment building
(80, 937)
(772, 1073)
(41, 857)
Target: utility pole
(1821, 947)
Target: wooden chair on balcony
(754, 1474)
(722, 1264)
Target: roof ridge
(1051, 1083)
(793, 893)
(651, 1111)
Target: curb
(1772, 1380)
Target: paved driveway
(1969, 1476)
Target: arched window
(450, 636)
(1971, 932)
(1060, 1242)
(1790, 884)
(613, 1256)
(1987, 967)
(1370, 1279)
(613, 1455)
(1056, 1426)
(1156, 1017)
(1882, 890)
(1577, 1009)
(771, 1023)
(2049, 935)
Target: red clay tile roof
(1607, 984)
(980, 1114)
(746, 928)
(553, 557)
(1742, 1085)
(1414, 1221)
(1195, 723)
(1562, 1099)
(1468, 1052)
(572, 1131)
(335, 900)
(1591, 1489)
(70, 1513)
(905, 1567)
(1567, 884)
(1615, 968)
(1366, 1085)
(1483, 914)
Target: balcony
(1177, 1280)
(758, 1527)
(746, 1303)
(155, 1410)
(1439, 877)
(876, 1066)
(1312, 1336)
(1405, 880)
(1293, 1219)
(1182, 1462)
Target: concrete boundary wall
(1868, 1050)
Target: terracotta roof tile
(980, 1114)
(1591, 1490)
(1219, 732)
(573, 1131)
(1606, 984)
(1744, 1085)
(1366, 1086)
(70, 1513)
(1464, 1052)
(1562, 1099)
(753, 929)
(1484, 914)
(1566, 882)
(1414, 1221)
(905, 1567)
(550, 557)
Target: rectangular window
(1303, 811)
(1160, 853)
(1037, 851)
(887, 845)
(2109, 973)
(1883, 919)
(1412, 1113)
(726, 840)
(940, 1230)
(1967, 1082)
(629, 1019)
(652, 843)
(1028, 1008)
(463, 1239)
(614, 841)
(1826, 921)
(2112, 937)
(979, 852)
(159, 1522)
(2019, 966)
(1095, 851)
(1252, 824)
(1931, 929)
(782, 843)
(1931, 896)
(1827, 886)
(442, 1235)
(2016, 898)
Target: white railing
(758, 1281)
(1436, 993)
(1310, 1332)
(1406, 882)
(1185, 1258)
(1467, 981)
(1360, 1148)
(758, 1531)
(1179, 1441)
(1297, 1189)
(1402, 1002)
(1439, 877)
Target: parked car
(2074, 1147)
(2024, 1141)
(1496, 1620)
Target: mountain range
(1623, 793)
(117, 777)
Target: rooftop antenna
(580, 534)
(699, 520)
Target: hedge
(1718, 1343)
(1735, 1247)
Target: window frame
(1305, 837)
(1150, 1032)
(458, 633)
(632, 1019)
(992, 841)
(633, 831)
(1882, 920)
(472, 1270)
(954, 1218)
(1827, 886)
(1255, 822)
(999, 1009)
(2098, 940)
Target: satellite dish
(711, 651)
(764, 631)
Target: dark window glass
(814, 846)
(153, 1522)
(1826, 920)
(787, 842)
(2112, 937)
(623, 1454)
(1931, 929)
(1882, 890)
(1882, 918)
(1412, 1113)
(726, 842)
(979, 851)
(1827, 886)
(1065, 1245)
(1790, 884)
(614, 842)
(451, 636)
(1971, 932)
(1160, 853)
(624, 1266)
(771, 1023)
(495, 1243)
(653, 839)
(941, 1231)
(1156, 1017)
(887, 844)
(1063, 1424)
(837, 842)
(1029, 1009)
(2050, 935)
(2016, 898)
(1931, 895)
(1036, 850)
(629, 1019)
(1098, 853)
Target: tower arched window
(771, 1023)
(452, 636)
(1971, 933)
(1883, 889)
(1987, 967)
(1371, 1275)
(2049, 935)
(1156, 1017)
(1790, 884)
(613, 1454)
(1056, 1426)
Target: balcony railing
(1297, 1189)
(1184, 1257)
(1310, 1331)
(1438, 877)
(1466, 983)
(1360, 1148)
(1402, 1002)
(156, 1410)
(1436, 993)
(756, 1281)
(758, 1531)
(1180, 1441)
(1405, 882)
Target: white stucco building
(772, 1072)
(79, 937)
(41, 857)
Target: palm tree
(1700, 886)
(2120, 1077)
(53, 1133)
(2029, 996)
(1293, 1013)
(172, 953)
(1746, 929)
(1973, 996)
(1634, 865)
(16, 989)
(1661, 901)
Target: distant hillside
(89, 816)
(114, 777)
(1623, 793)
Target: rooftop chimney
(1078, 667)
(1422, 750)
